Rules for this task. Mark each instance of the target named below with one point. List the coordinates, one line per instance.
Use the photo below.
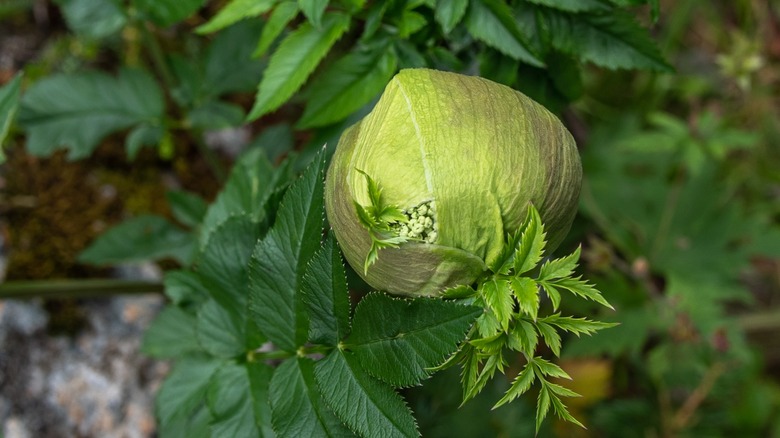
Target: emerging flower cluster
(420, 223)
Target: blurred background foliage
(679, 211)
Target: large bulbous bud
(463, 157)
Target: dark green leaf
(187, 207)
(184, 288)
(248, 188)
(172, 334)
(77, 111)
(449, 13)
(491, 22)
(235, 11)
(369, 407)
(347, 85)
(298, 408)
(184, 389)
(143, 135)
(219, 332)
(611, 40)
(294, 60)
(141, 238)
(9, 103)
(275, 140)
(498, 297)
(282, 15)
(324, 291)
(233, 400)
(222, 263)
(93, 18)
(193, 424)
(280, 259)
(215, 115)
(574, 5)
(313, 10)
(228, 65)
(168, 12)
(397, 340)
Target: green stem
(76, 288)
(259, 356)
(158, 57)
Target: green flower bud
(466, 153)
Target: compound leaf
(324, 291)
(76, 111)
(172, 334)
(398, 340)
(184, 390)
(280, 259)
(491, 22)
(297, 406)
(218, 332)
(369, 407)
(235, 402)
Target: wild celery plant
(455, 181)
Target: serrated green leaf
(581, 288)
(449, 13)
(76, 111)
(9, 104)
(280, 259)
(498, 297)
(549, 369)
(576, 325)
(184, 390)
(294, 60)
(523, 337)
(219, 332)
(313, 10)
(527, 294)
(184, 288)
(459, 292)
(282, 15)
(612, 40)
(491, 22)
(398, 340)
(168, 12)
(250, 185)
(172, 334)
(494, 363)
(553, 294)
(235, 11)
(298, 408)
(520, 386)
(369, 407)
(93, 18)
(491, 344)
(409, 23)
(559, 268)
(574, 5)
(531, 244)
(234, 401)
(145, 237)
(222, 264)
(542, 407)
(550, 336)
(488, 325)
(324, 291)
(187, 207)
(561, 391)
(347, 85)
(558, 407)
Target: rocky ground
(95, 383)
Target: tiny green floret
(420, 224)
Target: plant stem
(76, 288)
(158, 58)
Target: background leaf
(187, 207)
(9, 103)
(449, 13)
(172, 334)
(313, 10)
(93, 18)
(294, 60)
(234, 400)
(235, 11)
(219, 332)
(298, 409)
(138, 239)
(76, 111)
(368, 406)
(168, 12)
(184, 390)
(279, 260)
(397, 340)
